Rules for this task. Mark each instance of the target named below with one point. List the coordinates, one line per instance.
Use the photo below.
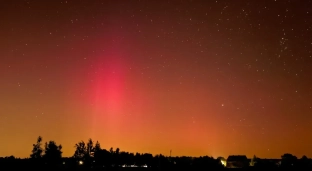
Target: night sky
(195, 77)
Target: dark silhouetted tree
(288, 160)
(130, 159)
(10, 157)
(97, 147)
(96, 151)
(85, 152)
(161, 161)
(147, 159)
(116, 157)
(52, 153)
(304, 158)
(81, 150)
(304, 162)
(37, 151)
(111, 150)
(90, 148)
(137, 159)
(117, 151)
(98, 154)
(89, 153)
(206, 162)
(124, 158)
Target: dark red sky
(195, 77)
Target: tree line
(90, 154)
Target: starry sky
(195, 77)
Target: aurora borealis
(195, 77)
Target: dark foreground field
(134, 169)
